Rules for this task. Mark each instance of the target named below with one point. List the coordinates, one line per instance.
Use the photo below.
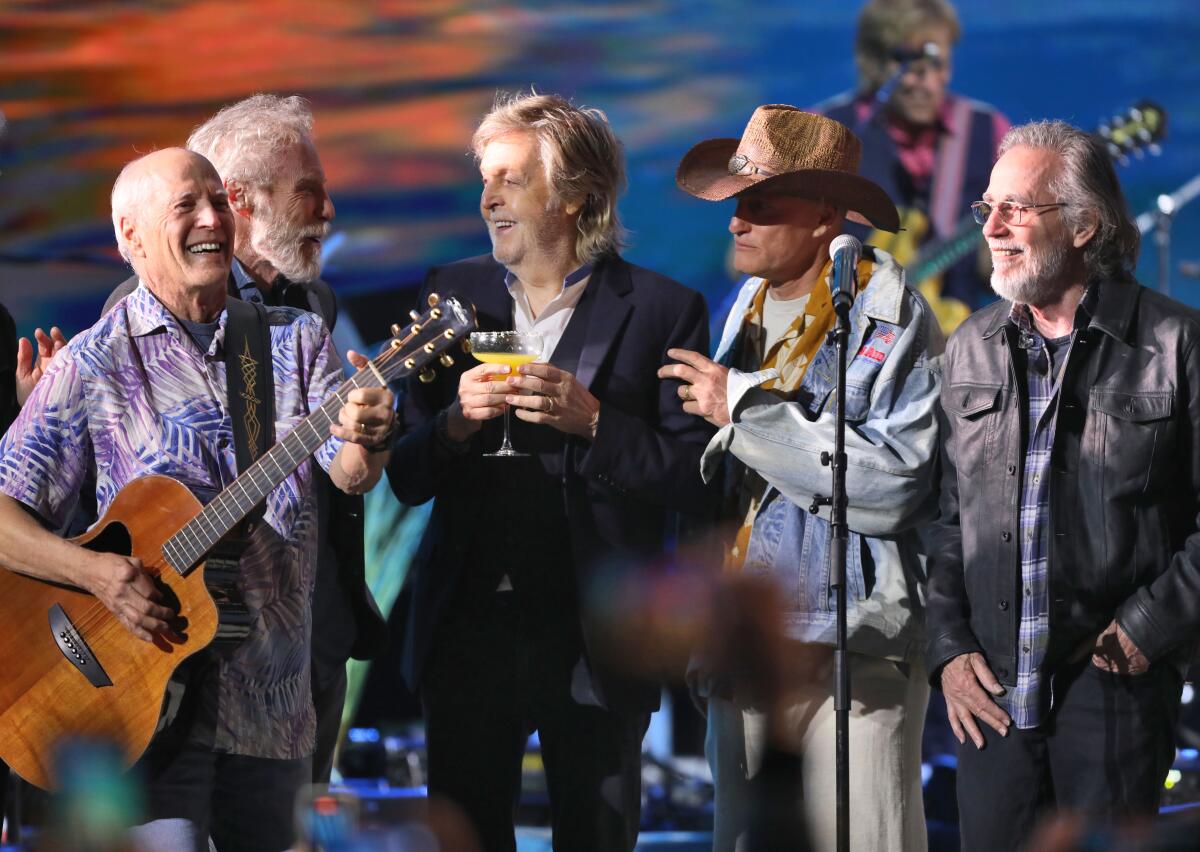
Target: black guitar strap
(250, 383)
(250, 387)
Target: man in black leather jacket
(1064, 574)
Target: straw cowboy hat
(792, 150)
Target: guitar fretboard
(188, 546)
(936, 257)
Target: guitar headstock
(1137, 131)
(416, 345)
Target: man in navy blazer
(498, 641)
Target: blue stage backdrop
(397, 86)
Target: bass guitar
(71, 669)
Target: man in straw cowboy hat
(794, 178)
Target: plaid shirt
(1029, 701)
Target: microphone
(845, 252)
(929, 50)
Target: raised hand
(29, 370)
(703, 385)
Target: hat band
(741, 165)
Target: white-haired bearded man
(1062, 592)
(263, 149)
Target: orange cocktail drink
(512, 359)
(512, 348)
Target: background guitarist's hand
(122, 586)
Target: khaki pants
(887, 714)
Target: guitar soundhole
(114, 538)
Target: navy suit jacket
(619, 490)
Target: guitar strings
(96, 620)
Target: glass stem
(506, 445)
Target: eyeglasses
(1010, 212)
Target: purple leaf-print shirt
(134, 395)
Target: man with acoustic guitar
(265, 151)
(143, 392)
(929, 149)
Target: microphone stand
(1159, 221)
(837, 576)
(839, 527)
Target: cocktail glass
(513, 348)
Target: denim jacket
(892, 390)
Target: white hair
(127, 195)
(244, 140)
(583, 159)
(1088, 185)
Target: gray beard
(284, 254)
(1039, 285)
(279, 244)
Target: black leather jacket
(1124, 493)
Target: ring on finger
(685, 392)
(551, 405)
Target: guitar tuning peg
(414, 316)
(426, 376)
(466, 345)
(433, 299)
(397, 329)
(446, 361)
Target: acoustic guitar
(1135, 132)
(71, 669)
